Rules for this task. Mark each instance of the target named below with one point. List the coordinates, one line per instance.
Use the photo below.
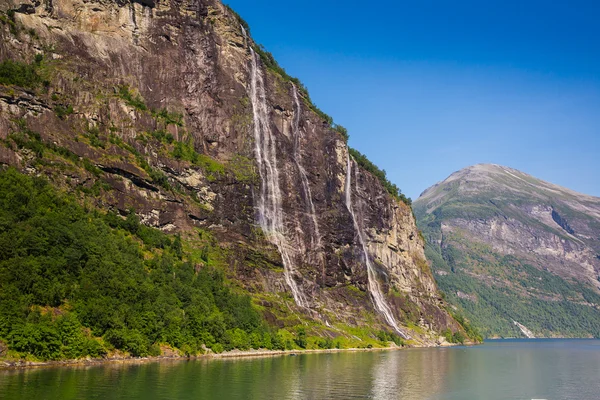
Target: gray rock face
(490, 209)
(119, 64)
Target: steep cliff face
(507, 246)
(167, 107)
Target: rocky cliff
(170, 108)
(514, 250)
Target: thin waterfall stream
(373, 284)
(310, 206)
(270, 210)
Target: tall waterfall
(270, 210)
(310, 206)
(373, 284)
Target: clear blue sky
(426, 88)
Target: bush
(300, 339)
(135, 101)
(19, 74)
(40, 340)
(63, 111)
(458, 337)
(129, 340)
(168, 118)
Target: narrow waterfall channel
(245, 34)
(315, 235)
(374, 288)
(270, 210)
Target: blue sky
(426, 88)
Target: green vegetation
(456, 337)
(385, 337)
(238, 18)
(471, 331)
(186, 151)
(270, 63)
(135, 101)
(20, 74)
(93, 135)
(77, 283)
(8, 18)
(367, 165)
(168, 118)
(243, 168)
(503, 289)
(25, 138)
(342, 131)
(63, 111)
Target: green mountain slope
(508, 248)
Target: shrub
(129, 340)
(19, 74)
(40, 340)
(63, 111)
(168, 118)
(300, 339)
(135, 101)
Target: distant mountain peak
(508, 246)
(496, 179)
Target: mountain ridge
(508, 170)
(489, 225)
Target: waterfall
(270, 210)
(373, 284)
(245, 35)
(310, 206)
(524, 330)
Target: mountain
(192, 143)
(517, 254)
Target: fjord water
(507, 369)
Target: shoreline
(233, 354)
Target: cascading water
(310, 206)
(270, 210)
(245, 35)
(373, 284)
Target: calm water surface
(507, 369)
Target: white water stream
(310, 206)
(373, 284)
(270, 210)
(524, 330)
(245, 35)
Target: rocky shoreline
(21, 364)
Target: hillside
(511, 249)
(169, 113)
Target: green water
(536, 369)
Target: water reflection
(413, 374)
(498, 370)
